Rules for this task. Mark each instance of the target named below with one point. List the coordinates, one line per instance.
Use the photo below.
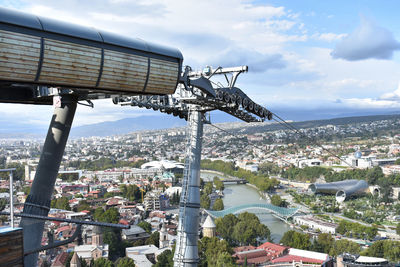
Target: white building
(361, 162)
(309, 163)
(316, 224)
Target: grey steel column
(38, 201)
(186, 252)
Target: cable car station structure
(43, 61)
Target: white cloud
(367, 41)
(330, 37)
(386, 101)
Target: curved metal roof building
(342, 189)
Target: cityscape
(135, 179)
(199, 133)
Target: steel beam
(38, 201)
(186, 252)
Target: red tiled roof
(271, 247)
(244, 248)
(60, 260)
(125, 222)
(292, 258)
(250, 254)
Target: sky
(306, 55)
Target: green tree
(18, 174)
(205, 201)
(98, 213)
(344, 245)
(3, 203)
(219, 185)
(398, 229)
(208, 189)
(218, 204)
(296, 240)
(145, 226)
(323, 243)
(225, 226)
(111, 215)
(83, 205)
(102, 262)
(116, 248)
(61, 203)
(278, 201)
(154, 239)
(215, 253)
(165, 259)
(124, 262)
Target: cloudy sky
(302, 55)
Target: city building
(94, 251)
(155, 200)
(164, 240)
(315, 224)
(134, 233)
(300, 258)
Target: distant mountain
(15, 129)
(127, 125)
(317, 123)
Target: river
(235, 195)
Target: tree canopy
(215, 253)
(218, 204)
(244, 229)
(296, 240)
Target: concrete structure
(315, 224)
(209, 227)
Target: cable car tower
(197, 94)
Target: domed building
(209, 227)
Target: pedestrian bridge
(282, 213)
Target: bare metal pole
(11, 194)
(12, 199)
(186, 253)
(38, 201)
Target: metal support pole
(11, 187)
(38, 201)
(12, 198)
(186, 253)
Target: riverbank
(236, 195)
(209, 173)
(221, 174)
